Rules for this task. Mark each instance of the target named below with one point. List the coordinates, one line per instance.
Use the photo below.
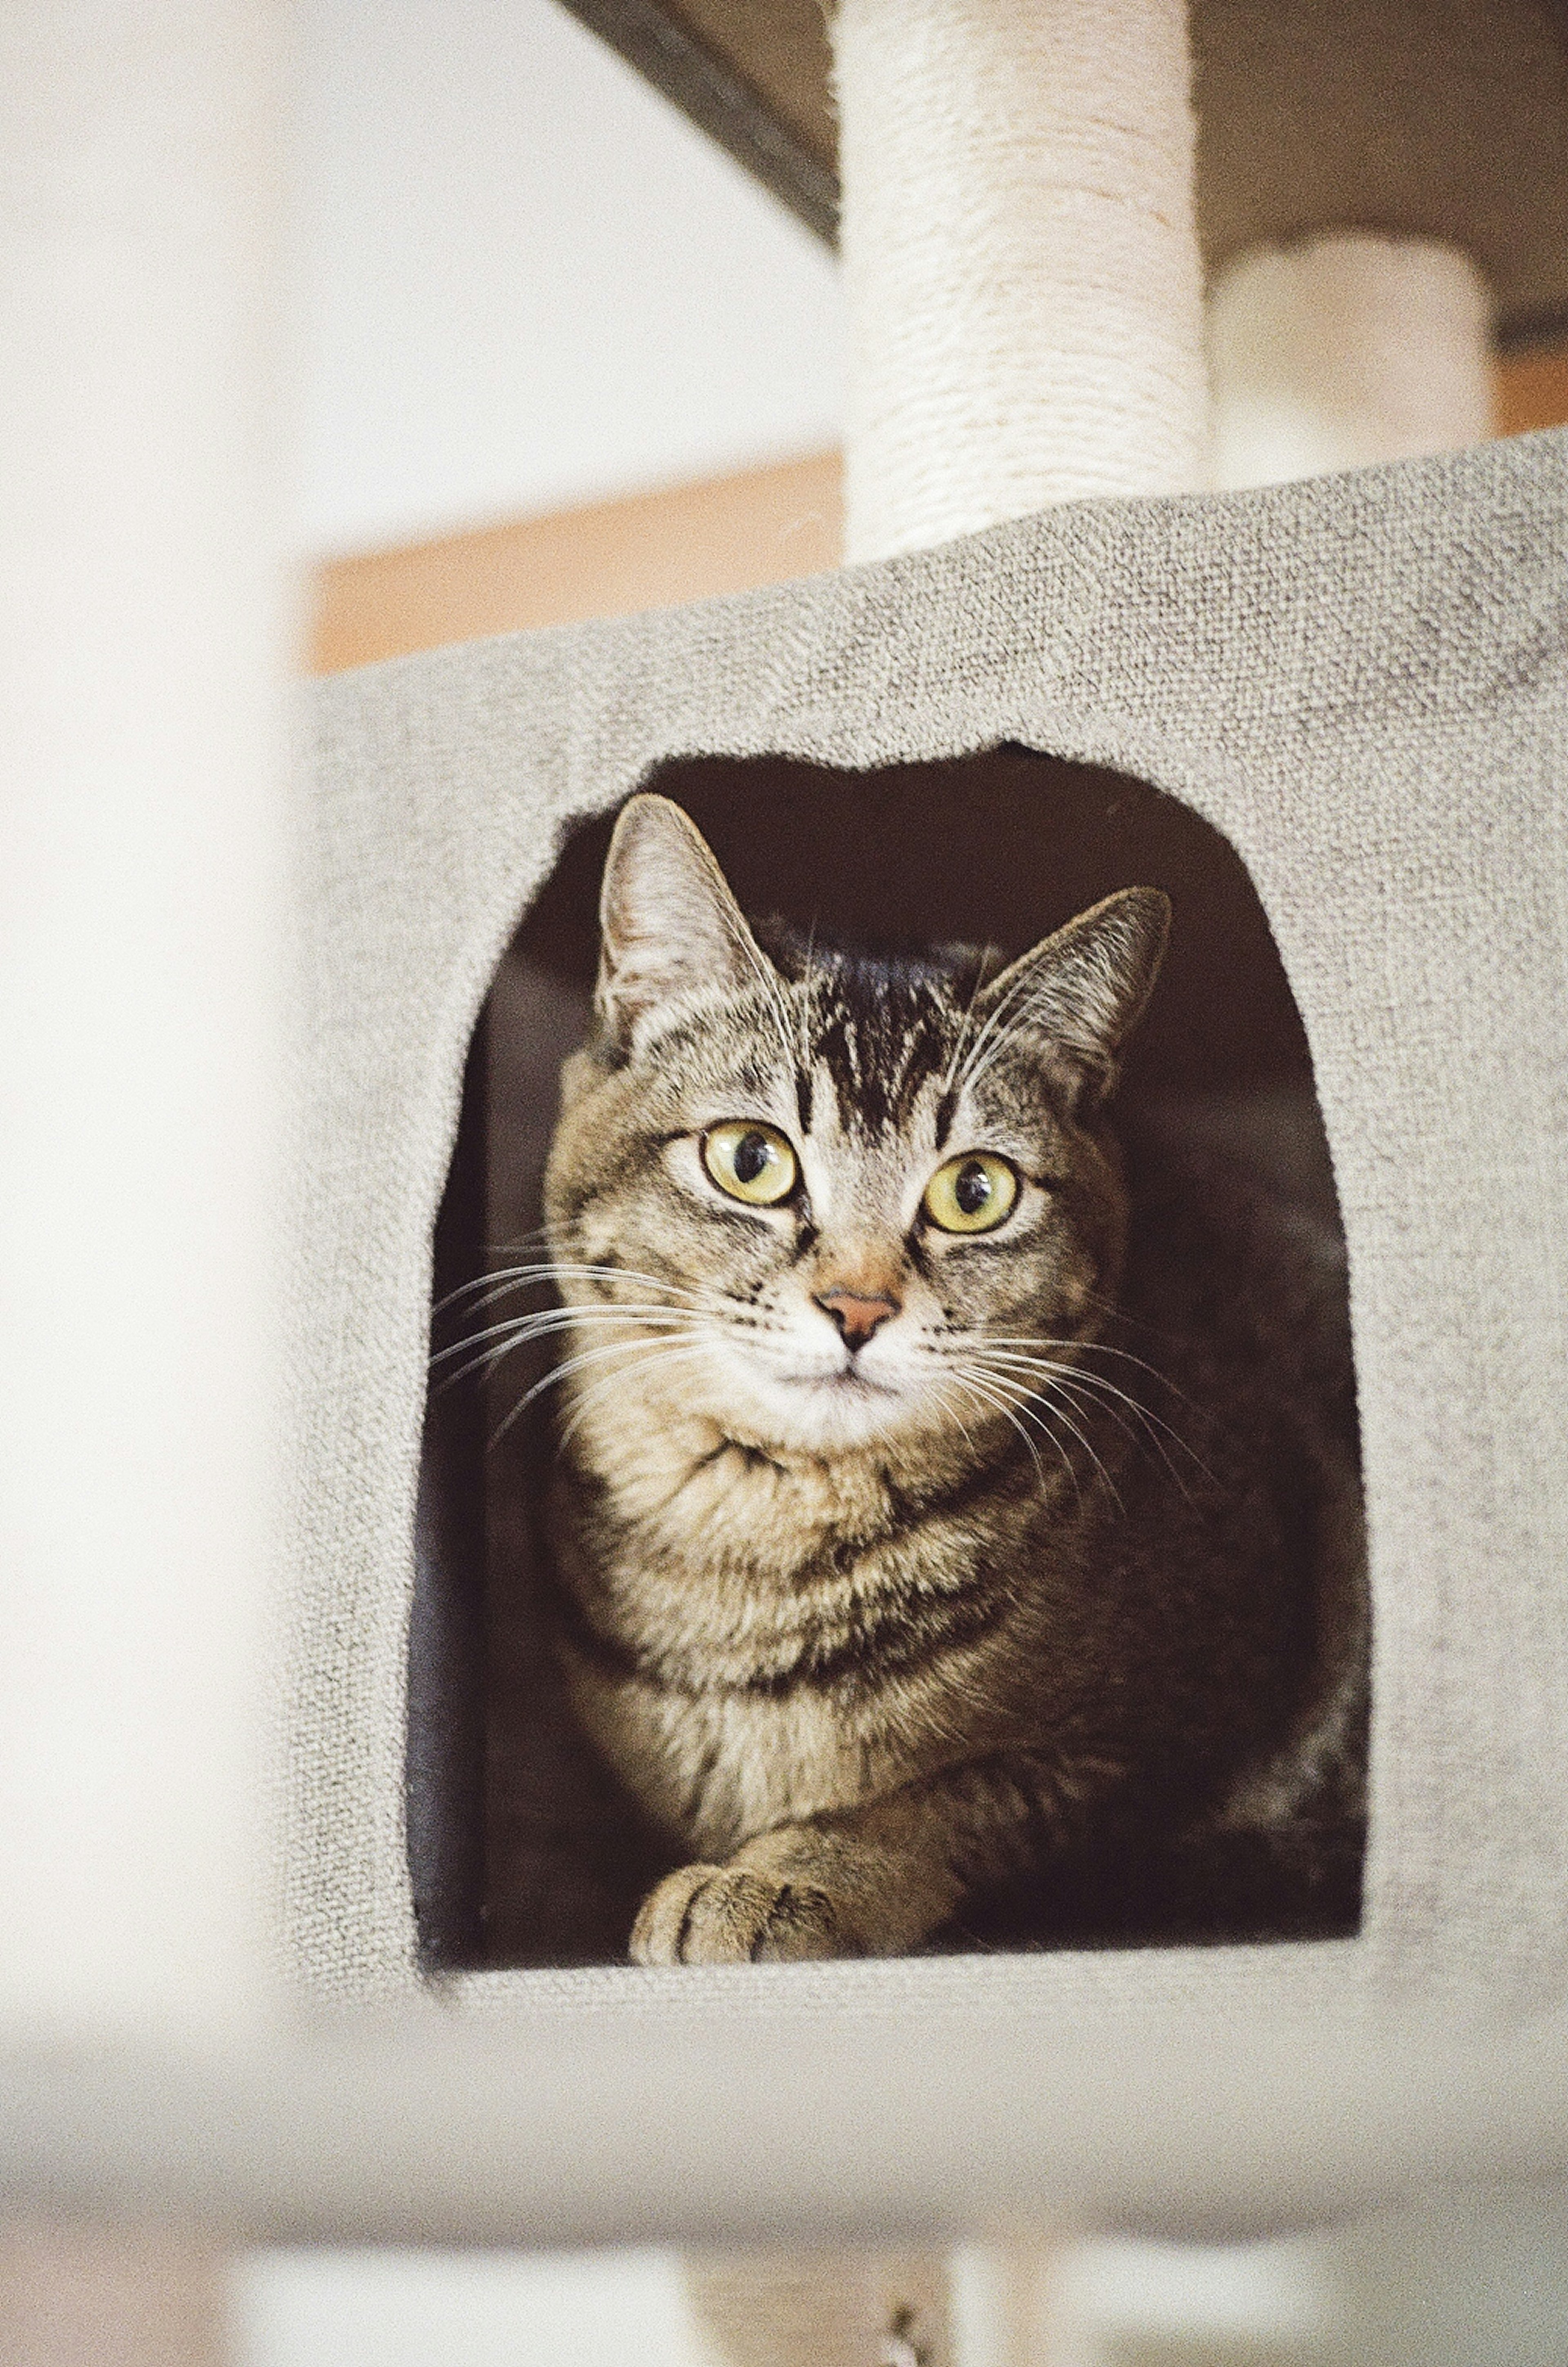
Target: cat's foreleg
(873, 1880)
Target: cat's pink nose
(856, 1318)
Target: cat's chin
(839, 1412)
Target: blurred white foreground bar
(142, 623)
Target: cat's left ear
(1080, 994)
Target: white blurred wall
(528, 282)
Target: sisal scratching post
(1020, 261)
(1344, 351)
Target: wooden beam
(1532, 388)
(652, 551)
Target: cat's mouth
(846, 1380)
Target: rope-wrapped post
(1345, 350)
(1021, 260)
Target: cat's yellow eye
(755, 1163)
(972, 1195)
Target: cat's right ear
(669, 929)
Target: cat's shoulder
(1235, 1243)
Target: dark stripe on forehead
(881, 1066)
(882, 1030)
(946, 1109)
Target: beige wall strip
(763, 526)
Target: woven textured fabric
(1362, 682)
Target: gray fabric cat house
(1359, 687)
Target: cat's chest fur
(751, 1642)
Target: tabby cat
(942, 1515)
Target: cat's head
(850, 1194)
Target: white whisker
(1080, 1390)
(526, 1328)
(963, 1026)
(1034, 1340)
(1082, 1378)
(565, 1269)
(585, 1357)
(1025, 1399)
(1017, 1413)
(971, 1072)
(585, 1396)
(996, 1405)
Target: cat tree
(1329, 672)
(1360, 682)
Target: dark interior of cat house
(523, 1851)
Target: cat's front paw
(735, 1915)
